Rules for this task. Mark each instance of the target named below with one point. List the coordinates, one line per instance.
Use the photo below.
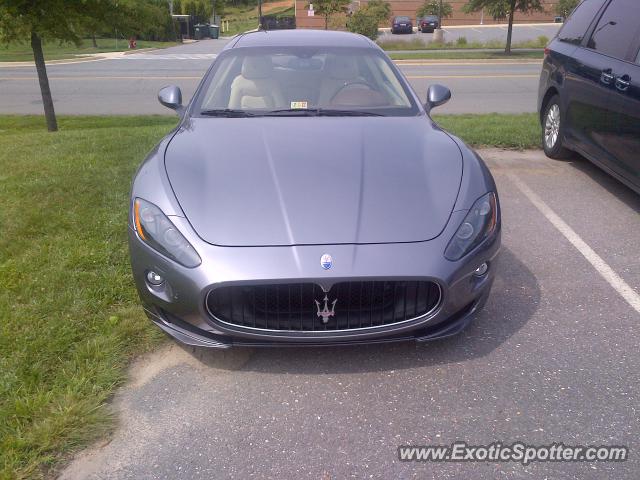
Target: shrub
(366, 19)
(461, 41)
(364, 23)
(543, 40)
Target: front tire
(553, 130)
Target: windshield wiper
(314, 112)
(346, 113)
(284, 112)
(226, 112)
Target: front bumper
(178, 306)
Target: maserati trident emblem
(325, 313)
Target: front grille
(302, 306)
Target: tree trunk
(41, 68)
(93, 40)
(507, 49)
(326, 22)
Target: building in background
(409, 8)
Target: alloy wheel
(552, 126)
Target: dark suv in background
(589, 96)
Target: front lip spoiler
(182, 332)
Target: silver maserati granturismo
(306, 197)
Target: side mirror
(171, 97)
(437, 95)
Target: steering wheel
(349, 85)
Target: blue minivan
(589, 94)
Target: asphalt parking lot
(552, 358)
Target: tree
(327, 8)
(500, 9)
(380, 9)
(565, 7)
(366, 19)
(432, 7)
(46, 19)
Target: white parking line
(612, 278)
(169, 56)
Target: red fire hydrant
(132, 42)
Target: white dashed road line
(169, 56)
(612, 278)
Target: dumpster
(198, 32)
(214, 31)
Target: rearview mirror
(437, 95)
(171, 97)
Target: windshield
(303, 81)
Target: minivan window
(575, 28)
(616, 29)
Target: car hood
(314, 180)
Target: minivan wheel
(553, 130)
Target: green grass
(468, 55)
(494, 130)
(21, 52)
(424, 43)
(69, 314)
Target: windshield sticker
(298, 104)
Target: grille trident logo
(325, 313)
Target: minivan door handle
(623, 83)
(607, 77)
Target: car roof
(303, 38)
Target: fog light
(154, 278)
(481, 270)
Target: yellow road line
(471, 76)
(198, 78)
(461, 64)
(147, 77)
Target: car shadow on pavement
(609, 183)
(514, 299)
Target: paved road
(128, 85)
(481, 33)
(552, 358)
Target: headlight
(157, 231)
(479, 223)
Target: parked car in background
(401, 25)
(429, 23)
(589, 94)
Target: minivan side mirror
(437, 95)
(171, 97)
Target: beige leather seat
(340, 70)
(255, 87)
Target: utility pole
(259, 14)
